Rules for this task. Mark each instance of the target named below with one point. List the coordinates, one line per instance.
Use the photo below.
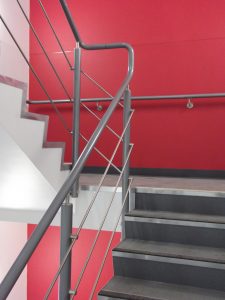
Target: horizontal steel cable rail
(157, 97)
(22, 259)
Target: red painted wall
(179, 48)
(44, 263)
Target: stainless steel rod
(124, 200)
(162, 97)
(63, 260)
(98, 118)
(62, 263)
(45, 52)
(55, 34)
(22, 259)
(97, 84)
(63, 121)
(102, 155)
(16, 269)
(103, 177)
(101, 226)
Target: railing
(71, 184)
(136, 98)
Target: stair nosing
(178, 191)
(111, 291)
(169, 255)
(174, 260)
(159, 220)
(186, 216)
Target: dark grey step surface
(170, 270)
(183, 251)
(175, 231)
(180, 203)
(177, 216)
(136, 289)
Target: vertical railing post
(76, 115)
(126, 147)
(65, 241)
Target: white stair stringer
(25, 194)
(29, 130)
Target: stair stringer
(29, 130)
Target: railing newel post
(65, 241)
(20, 262)
(76, 115)
(126, 147)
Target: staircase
(174, 248)
(29, 131)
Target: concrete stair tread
(177, 216)
(180, 251)
(137, 289)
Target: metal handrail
(22, 259)
(93, 201)
(98, 46)
(66, 57)
(101, 225)
(157, 97)
(63, 121)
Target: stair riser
(202, 236)
(180, 203)
(170, 272)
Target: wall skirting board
(187, 173)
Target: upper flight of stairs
(174, 249)
(29, 131)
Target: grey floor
(207, 185)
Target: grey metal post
(76, 115)
(126, 146)
(65, 241)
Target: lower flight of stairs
(174, 248)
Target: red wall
(179, 48)
(44, 263)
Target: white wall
(12, 63)
(13, 236)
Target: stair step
(174, 231)
(177, 216)
(184, 202)
(170, 270)
(182, 251)
(136, 289)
